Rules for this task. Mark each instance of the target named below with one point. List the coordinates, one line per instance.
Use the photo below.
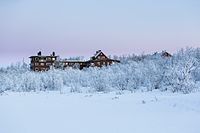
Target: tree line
(179, 73)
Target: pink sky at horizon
(79, 28)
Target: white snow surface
(140, 112)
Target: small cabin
(163, 54)
(166, 54)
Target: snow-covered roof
(97, 53)
(65, 60)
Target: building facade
(44, 63)
(100, 60)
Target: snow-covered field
(147, 112)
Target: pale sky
(80, 27)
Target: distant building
(44, 63)
(100, 59)
(166, 54)
(73, 64)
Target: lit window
(41, 60)
(42, 64)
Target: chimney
(53, 54)
(39, 53)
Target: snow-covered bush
(179, 73)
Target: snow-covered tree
(179, 73)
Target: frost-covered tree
(179, 73)
(98, 79)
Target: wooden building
(166, 54)
(74, 64)
(100, 59)
(43, 63)
(163, 54)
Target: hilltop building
(44, 63)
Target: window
(49, 59)
(41, 60)
(53, 59)
(42, 64)
(92, 64)
(48, 64)
(36, 64)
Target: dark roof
(97, 54)
(103, 60)
(73, 61)
(42, 56)
(166, 54)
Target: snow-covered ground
(147, 112)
